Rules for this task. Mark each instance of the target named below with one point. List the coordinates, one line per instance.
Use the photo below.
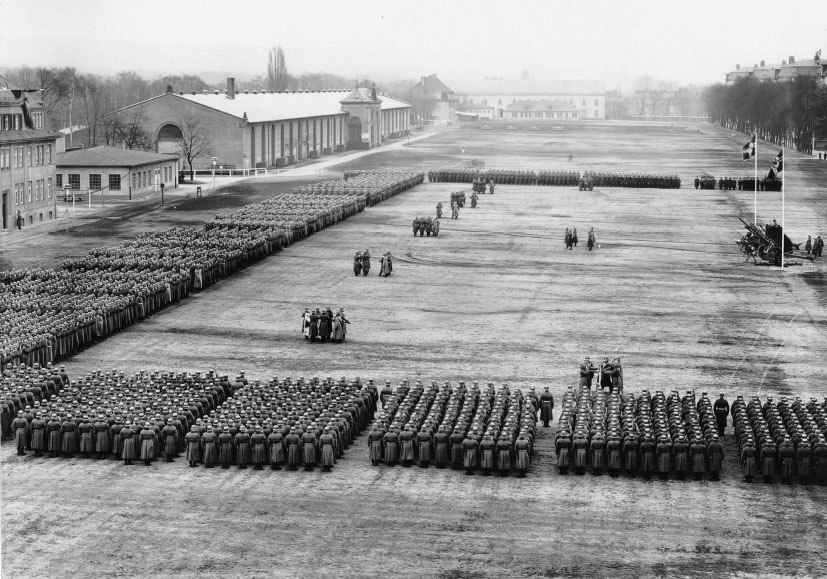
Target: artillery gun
(766, 244)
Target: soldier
(439, 210)
(580, 444)
(38, 434)
(587, 373)
(454, 210)
(680, 456)
(474, 198)
(328, 456)
(568, 238)
(365, 262)
(598, 454)
(441, 445)
(808, 246)
(617, 377)
(818, 245)
(562, 447)
(169, 438)
(391, 444)
(590, 240)
(424, 446)
(275, 441)
(406, 446)
(209, 444)
(491, 186)
(606, 375)
(522, 459)
(147, 438)
(415, 225)
(357, 269)
(243, 450)
(225, 447)
(488, 450)
(546, 407)
(721, 411)
(574, 237)
(20, 427)
(193, 446)
(470, 448)
(614, 448)
(375, 440)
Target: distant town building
(546, 110)
(115, 171)
(433, 101)
(480, 111)
(27, 157)
(588, 96)
(789, 69)
(272, 128)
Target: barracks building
(263, 129)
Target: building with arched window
(252, 129)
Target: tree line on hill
(789, 114)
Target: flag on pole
(748, 150)
(777, 165)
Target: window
(595, 113)
(49, 191)
(16, 122)
(59, 180)
(596, 102)
(95, 181)
(114, 182)
(134, 180)
(29, 155)
(29, 192)
(38, 120)
(74, 181)
(5, 122)
(2, 159)
(48, 154)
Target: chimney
(763, 63)
(792, 60)
(230, 87)
(737, 67)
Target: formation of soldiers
(481, 178)
(635, 180)
(784, 439)
(109, 415)
(651, 434)
(323, 325)
(490, 430)
(283, 424)
(425, 226)
(741, 183)
(49, 314)
(206, 417)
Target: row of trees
(789, 114)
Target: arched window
(170, 132)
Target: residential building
(27, 157)
(432, 101)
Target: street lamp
(214, 161)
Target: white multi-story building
(587, 96)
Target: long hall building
(253, 129)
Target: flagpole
(783, 187)
(755, 183)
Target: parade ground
(496, 297)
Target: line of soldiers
(425, 226)
(705, 182)
(301, 424)
(323, 325)
(111, 415)
(783, 439)
(50, 314)
(636, 180)
(659, 434)
(610, 374)
(458, 427)
(556, 178)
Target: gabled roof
(430, 85)
(109, 157)
(266, 106)
(516, 87)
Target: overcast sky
(615, 41)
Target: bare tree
(195, 140)
(126, 128)
(277, 76)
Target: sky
(615, 41)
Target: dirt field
(496, 297)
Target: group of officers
(486, 430)
(784, 439)
(571, 239)
(361, 263)
(324, 325)
(658, 434)
(609, 374)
